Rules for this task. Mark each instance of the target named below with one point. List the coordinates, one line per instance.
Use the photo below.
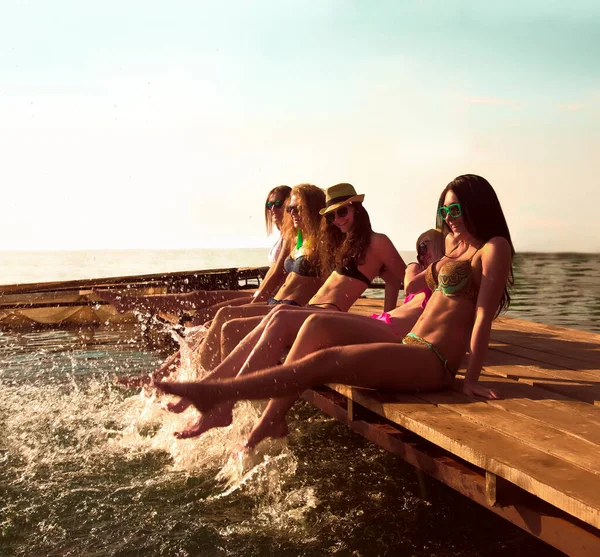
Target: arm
(390, 258)
(273, 278)
(495, 263)
(414, 279)
(392, 288)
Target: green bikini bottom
(411, 338)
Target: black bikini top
(301, 266)
(351, 270)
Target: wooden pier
(532, 457)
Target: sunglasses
(277, 204)
(293, 209)
(341, 212)
(454, 210)
(422, 248)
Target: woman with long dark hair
(206, 303)
(470, 287)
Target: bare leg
(234, 331)
(396, 367)
(322, 330)
(265, 346)
(210, 351)
(209, 311)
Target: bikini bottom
(275, 302)
(411, 338)
(386, 318)
(320, 306)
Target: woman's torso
(301, 279)
(345, 284)
(447, 320)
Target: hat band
(339, 199)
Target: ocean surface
(88, 469)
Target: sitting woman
(470, 288)
(329, 328)
(349, 248)
(206, 303)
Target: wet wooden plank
(560, 483)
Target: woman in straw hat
(355, 255)
(470, 288)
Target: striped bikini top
(454, 279)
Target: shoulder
(379, 240)
(496, 251)
(497, 245)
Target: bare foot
(276, 430)
(221, 416)
(199, 394)
(132, 382)
(178, 407)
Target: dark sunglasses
(341, 212)
(422, 248)
(292, 209)
(453, 210)
(277, 204)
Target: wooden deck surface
(542, 436)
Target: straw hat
(338, 195)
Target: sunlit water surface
(89, 469)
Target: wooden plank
(573, 417)
(541, 357)
(574, 490)
(525, 430)
(580, 346)
(561, 332)
(566, 382)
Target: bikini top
(351, 270)
(301, 266)
(454, 279)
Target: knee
(223, 314)
(277, 319)
(230, 328)
(315, 322)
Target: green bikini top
(454, 279)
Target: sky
(152, 124)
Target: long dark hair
(483, 218)
(340, 249)
(285, 194)
(311, 199)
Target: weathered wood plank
(522, 428)
(554, 480)
(566, 382)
